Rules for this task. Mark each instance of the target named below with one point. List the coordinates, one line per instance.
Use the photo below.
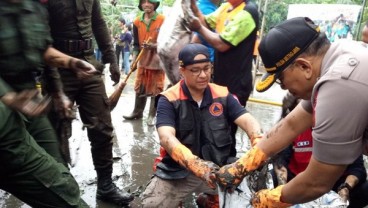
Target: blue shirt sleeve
(165, 113)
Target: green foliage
(277, 10)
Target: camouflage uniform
(73, 23)
(28, 171)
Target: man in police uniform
(31, 164)
(72, 25)
(193, 123)
(330, 78)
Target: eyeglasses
(196, 71)
(280, 79)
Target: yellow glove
(231, 175)
(201, 168)
(269, 198)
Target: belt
(18, 78)
(72, 46)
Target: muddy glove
(28, 102)
(201, 168)
(115, 73)
(82, 68)
(230, 176)
(269, 198)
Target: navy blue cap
(190, 51)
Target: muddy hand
(230, 176)
(200, 168)
(115, 73)
(206, 170)
(344, 194)
(82, 68)
(149, 46)
(63, 106)
(268, 198)
(195, 24)
(27, 102)
(194, 7)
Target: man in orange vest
(193, 123)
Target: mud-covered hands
(82, 68)
(205, 170)
(115, 73)
(201, 168)
(269, 198)
(230, 176)
(28, 102)
(195, 24)
(63, 106)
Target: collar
(207, 96)
(152, 18)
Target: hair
(129, 26)
(122, 20)
(318, 47)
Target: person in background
(365, 33)
(206, 7)
(73, 24)
(193, 124)
(119, 44)
(150, 76)
(352, 185)
(327, 77)
(32, 168)
(126, 37)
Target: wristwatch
(344, 185)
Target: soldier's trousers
(90, 96)
(28, 172)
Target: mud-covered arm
(55, 58)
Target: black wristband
(344, 185)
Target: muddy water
(135, 147)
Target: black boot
(108, 192)
(140, 103)
(151, 113)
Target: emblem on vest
(302, 144)
(216, 109)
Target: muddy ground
(135, 147)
